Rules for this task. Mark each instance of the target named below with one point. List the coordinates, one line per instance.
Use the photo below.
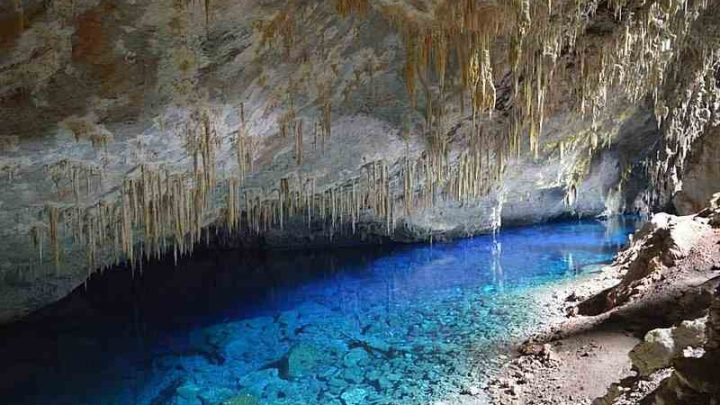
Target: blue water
(404, 325)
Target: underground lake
(401, 324)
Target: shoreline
(540, 370)
(570, 358)
(551, 316)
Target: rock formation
(661, 244)
(695, 378)
(678, 364)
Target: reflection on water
(391, 325)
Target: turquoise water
(399, 325)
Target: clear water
(404, 325)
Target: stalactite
(345, 7)
(408, 186)
(333, 212)
(243, 148)
(388, 198)
(299, 142)
(410, 64)
(53, 214)
(284, 198)
(127, 220)
(481, 80)
(37, 234)
(207, 13)
(20, 15)
(231, 218)
(326, 122)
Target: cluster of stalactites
(83, 178)
(631, 61)
(430, 47)
(659, 54)
(692, 109)
(376, 194)
(296, 200)
(635, 61)
(464, 34)
(280, 27)
(459, 33)
(206, 4)
(158, 211)
(154, 208)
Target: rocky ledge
(645, 330)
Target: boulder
(301, 360)
(654, 353)
(254, 383)
(354, 396)
(661, 346)
(695, 379)
(356, 357)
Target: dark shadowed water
(393, 325)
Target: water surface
(391, 325)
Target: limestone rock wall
(702, 175)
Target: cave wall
(97, 96)
(701, 177)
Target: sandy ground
(575, 359)
(569, 361)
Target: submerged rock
(215, 395)
(301, 360)
(356, 357)
(255, 382)
(288, 321)
(354, 396)
(187, 394)
(259, 323)
(243, 340)
(188, 391)
(354, 375)
(242, 399)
